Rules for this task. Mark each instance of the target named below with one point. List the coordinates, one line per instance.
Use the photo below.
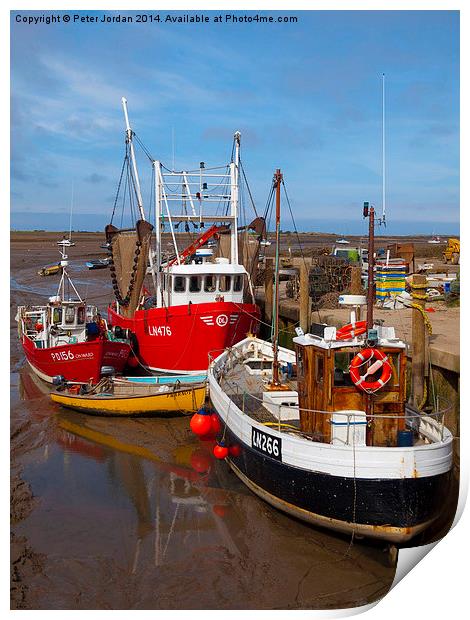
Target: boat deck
(246, 391)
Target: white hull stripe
(40, 374)
(368, 462)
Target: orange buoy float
(220, 450)
(350, 331)
(235, 449)
(201, 423)
(216, 426)
(381, 362)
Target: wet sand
(137, 514)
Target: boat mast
(129, 134)
(158, 232)
(275, 382)
(370, 213)
(234, 172)
(71, 207)
(65, 276)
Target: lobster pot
(389, 280)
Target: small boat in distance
(99, 263)
(126, 397)
(66, 243)
(50, 270)
(436, 240)
(342, 241)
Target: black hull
(390, 509)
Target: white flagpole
(383, 148)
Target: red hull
(81, 361)
(181, 338)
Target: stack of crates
(390, 278)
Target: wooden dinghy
(50, 270)
(121, 397)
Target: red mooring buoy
(220, 450)
(216, 426)
(235, 450)
(201, 423)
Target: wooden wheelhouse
(327, 392)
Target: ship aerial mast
(382, 220)
(129, 134)
(65, 276)
(275, 381)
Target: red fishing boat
(67, 337)
(202, 298)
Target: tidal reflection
(139, 514)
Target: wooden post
(418, 360)
(356, 286)
(304, 296)
(268, 290)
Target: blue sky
(306, 97)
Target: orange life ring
(348, 332)
(381, 361)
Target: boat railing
(428, 424)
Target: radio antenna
(382, 221)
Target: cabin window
(224, 283)
(179, 284)
(69, 315)
(300, 363)
(341, 372)
(194, 284)
(81, 315)
(319, 364)
(57, 315)
(238, 283)
(209, 284)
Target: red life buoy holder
(381, 361)
(350, 331)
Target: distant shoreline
(330, 236)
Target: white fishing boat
(325, 433)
